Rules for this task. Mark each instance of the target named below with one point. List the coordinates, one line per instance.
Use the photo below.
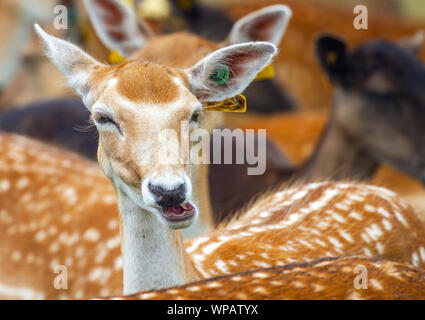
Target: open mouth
(179, 213)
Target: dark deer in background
(377, 117)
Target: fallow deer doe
(343, 218)
(133, 39)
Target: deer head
(141, 108)
(380, 99)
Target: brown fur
(323, 279)
(59, 209)
(179, 50)
(144, 82)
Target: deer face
(380, 100)
(143, 114)
(144, 111)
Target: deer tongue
(178, 211)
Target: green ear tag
(221, 75)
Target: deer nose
(168, 198)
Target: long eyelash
(112, 122)
(89, 127)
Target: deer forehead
(179, 50)
(143, 93)
(142, 81)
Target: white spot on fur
(335, 242)
(415, 259)
(216, 284)
(384, 212)
(374, 232)
(113, 224)
(380, 248)
(387, 224)
(355, 215)
(299, 195)
(355, 295)
(369, 208)
(118, 263)
(400, 218)
(341, 206)
(40, 236)
(346, 236)
(261, 275)
(376, 284)
(91, 234)
(16, 256)
(222, 266)
(422, 252)
(260, 290)
(24, 293)
(208, 249)
(261, 264)
(148, 295)
(4, 185)
(367, 252)
(22, 183)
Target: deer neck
(338, 156)
(204, 224)
(154, 256)
(200, 172)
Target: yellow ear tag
(235, 104)
(266, 73)
(154, 9)
(115, 57)
(130, 3)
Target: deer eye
(103, 119)
(195, 118)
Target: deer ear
(76, 65)
(117, 25)
(413, 43)
(228, 71)
(332, 54)
(268, 24)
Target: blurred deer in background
(133, 41)
(297, 69)
(26, 76)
